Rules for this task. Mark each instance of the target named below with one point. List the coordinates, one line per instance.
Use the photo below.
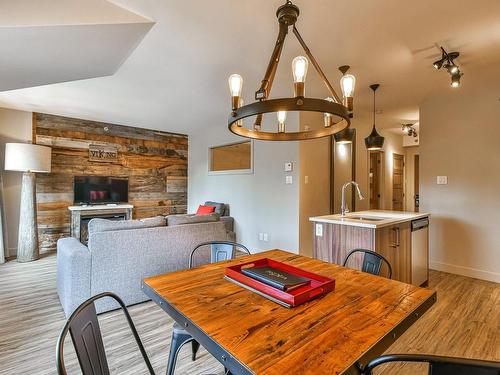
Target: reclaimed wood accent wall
(155, 163)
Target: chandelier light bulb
(235, 86)
(299, 68)
(347, 83)
(281, 121)
(327, 117)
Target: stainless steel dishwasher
(419, 251)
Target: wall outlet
(319, 230)
(264, 237)
(261, 236)
(288, 166)
(442, 180)
(288, 180)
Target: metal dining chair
(439, 365)
(219, 251)
(87, 339)
(372, 261)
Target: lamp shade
(374, 141)
(26, 157)
(345, 136)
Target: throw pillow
(220, 208)
(205, 210)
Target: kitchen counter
(389, 233)
(370, 219)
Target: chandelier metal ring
(289, 104)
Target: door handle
(397, 237)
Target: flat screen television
(100, 190)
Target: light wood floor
(464, 322)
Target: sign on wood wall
(103, 153)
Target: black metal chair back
(372, 262)
(219, 251)
(83, 327)
(439, 365)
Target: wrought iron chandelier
(337, 111)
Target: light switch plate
(319, 230)
(288, 180)
(288, 166)
(442, 180)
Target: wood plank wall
(155, 163)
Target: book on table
(276, 278)
(279, 282)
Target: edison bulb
(235, 84)
(327, 117)
(299, 69)
(281, 121)
(347, 83)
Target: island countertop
(371, 218)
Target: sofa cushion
(173, 220)
(105, 225)
(221, 208)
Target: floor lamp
(30, 159)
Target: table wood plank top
(329, 335)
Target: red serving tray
(319, 285)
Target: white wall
(259, 202)
(15, 126)
(460, 138)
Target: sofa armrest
(228, 222)
(73, 273)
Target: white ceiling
(176, 79)
(49, 41)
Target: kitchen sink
(366, 218)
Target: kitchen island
(401, 237)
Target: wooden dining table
(249, 334)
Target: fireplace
(81, 215)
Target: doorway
(398, 196)
(375, 178)
(416, 178)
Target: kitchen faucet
(343, 208)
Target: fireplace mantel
(87, 212)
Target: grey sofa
(117, 259)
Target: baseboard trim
(466, 271)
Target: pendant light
(374, 141)
(345, 136)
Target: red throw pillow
(205, 210)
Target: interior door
(416, 167)
(398, 182)
(375, 178)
